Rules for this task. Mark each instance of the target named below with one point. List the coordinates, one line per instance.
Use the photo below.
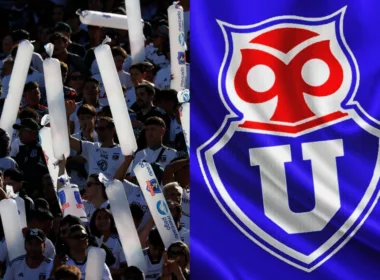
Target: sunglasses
(77, 78)
(79, 237)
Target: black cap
(14, 174)
(19, 35)
(35, 233)
(62, 27)
(27, 124)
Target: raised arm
(122, 170)
(75, 144)
(172, 168)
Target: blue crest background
(219, 249)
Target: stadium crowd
(56, 246)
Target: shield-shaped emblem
(297, 131)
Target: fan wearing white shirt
(138, 75)
(6, 162)
(96, 196)
(119, 56)
(78, 250)
(156, 52)
(154, 255)
(19, 35)
(42, 219)
(103, 224)
(33, 265)
(77, 166)
(179, 171)
(91, 91)
(156, 152)
(104, 156)
(176, 211)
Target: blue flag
(285, 129)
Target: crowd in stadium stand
(56, 246)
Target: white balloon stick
(56, 102)
(157, 203)
(184, 113)
(96, 259)
(177, 47)
(20, 202)
(135, 30)
(47, 148)
(16, 86)
(125, 225)
(104, 19)
(12, 228)
(71, 202)
(116, 99)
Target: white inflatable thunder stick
(157, 203)
(96, 258)
(177, 47)
(125, 225)
(184, 112)
(56, 103)
(135, 30)
(16, 86)
(12, 228)
(103, 19)
(116, 98)
(47, 148)
(70, 200)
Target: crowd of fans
(56, 246)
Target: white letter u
(272, 160)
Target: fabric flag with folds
(286, 95)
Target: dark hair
(155, 121)
(93, 228)
(41, 214)
(138, 66)
(148, 87)
(58, 36)
(137, 212)
(4, 143)
(20, 34)
(41, 203)
(86, 109)
(134, 270)
(105, 112)
(92, 80)
(167, 95)
(71, 220)
(30, 85)
(119, 51)
(14, 174)
(67, 271)
(155, 238)
(28, 113)
(95, 176)
(109, 121)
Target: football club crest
(153, 187)
(296, 130)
